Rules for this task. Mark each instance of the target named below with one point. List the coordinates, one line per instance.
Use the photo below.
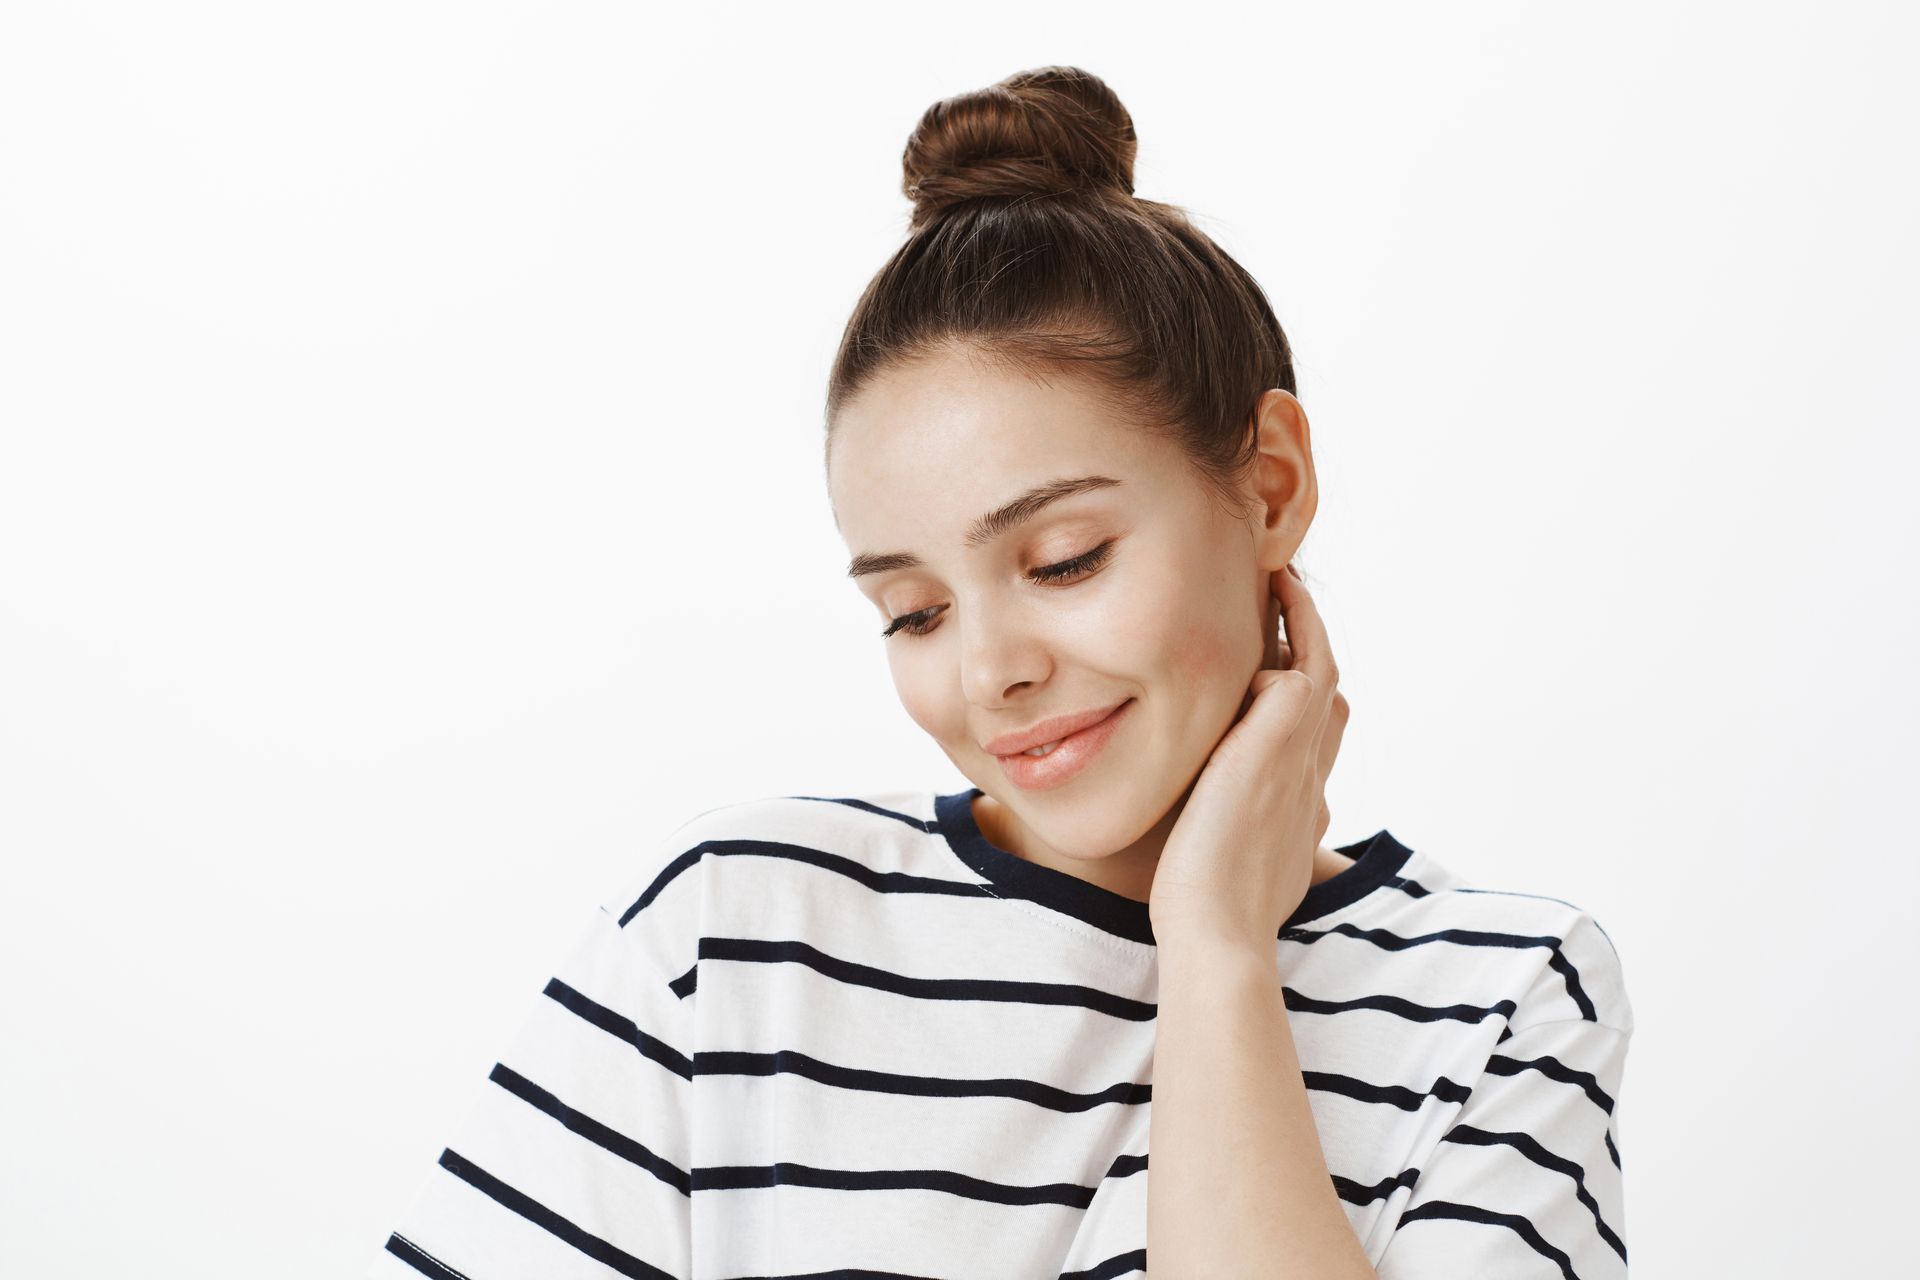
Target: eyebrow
(988, 526)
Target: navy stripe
(1387, 940)
(533, 1211)
(1398, 1006)
(1520, 1226)
(729, 1177)
(660, 882)
(420, 1260)
(1468, 1135)
(784, 951)
(918, 824)
(848, 971)
(930, 845)
(1362, 1193)
(589, 1128)
(736, 1062)
(621, 1027)
(878, 881)
(839, 864)
(1120, 1264)
(1377, 862)
(1554, 1069)
(715, 1062)
(1392, 1095)
(905, 882)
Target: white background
(411, 504)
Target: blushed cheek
(1199, 655)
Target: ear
(1283, 479)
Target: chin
(1095, 824)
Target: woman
(935, 1034)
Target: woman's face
(1173, 615)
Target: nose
(999, 653)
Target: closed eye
(1066, 572)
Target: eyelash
(915, 624)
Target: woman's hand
(1240, 856)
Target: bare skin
(1172, 611)
(986, 811)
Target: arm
(574, 1154)
(1236, 1183)
(1526, 1181)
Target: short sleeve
(573, 1161)
(1527, 1184)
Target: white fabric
(820, 1035)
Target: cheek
(1176, 640)
(1195, 624)
(1187, 637)
(922, 703)
(1199, 654)
(1211, 648)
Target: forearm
(1237, 1186)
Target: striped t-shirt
(816, 1036)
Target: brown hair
(1028, 247)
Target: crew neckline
(1376, 860)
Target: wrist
(1212, 949)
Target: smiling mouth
(1063, 727)
(1054, 764)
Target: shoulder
(674, 860)
(1582, 977)
(1558, 961)
(835, 818)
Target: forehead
(928, 446)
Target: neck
(1127, 872)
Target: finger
(1279, 654)
(1275, 656)
(1299, 612)
(1306, 634)
(1331, 735)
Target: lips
(1011, 744)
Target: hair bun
(1047, 131)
